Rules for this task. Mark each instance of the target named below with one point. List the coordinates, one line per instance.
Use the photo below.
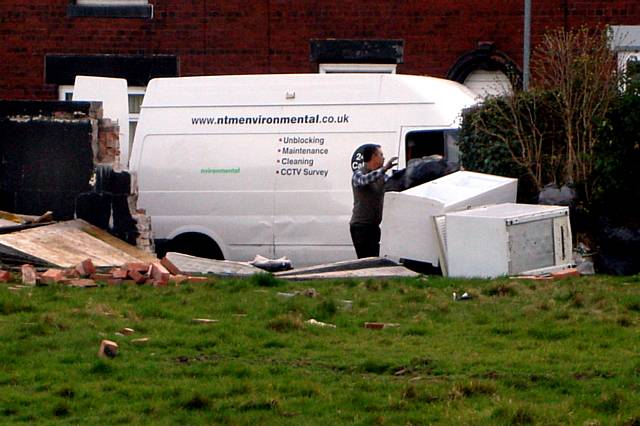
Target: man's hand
(392, 162)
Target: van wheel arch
(194, 244)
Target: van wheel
(194, 244)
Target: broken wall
(59, 156)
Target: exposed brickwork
(231, 37)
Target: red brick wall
(272, 36)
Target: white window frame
(357, 68)
(625, 41)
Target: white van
(234, 166)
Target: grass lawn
(518, 352)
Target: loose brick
(71, 273)
(197, 279)
(81, 282)
(51, 276)
(159, 273)
(137, 266)
(170, 266)
(29, 276)
(114, 281)
(86, 268)
(118, 273)
(565, 273)
(177, 279)
(136, 276)
(5, 276)
(374, 325)
(101, 277)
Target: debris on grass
(29, 276)
(380, 325)
(205, 320)
(108, 349)
(461, 297)
(312, 321)
(310, 292)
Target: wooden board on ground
(199, 265)
(345, 265)
(383, 272)
(65, 244)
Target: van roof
(304, 89)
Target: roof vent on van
(290, 95)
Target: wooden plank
(384, 272)
(345, 265)
(199, 265)
(66, 244)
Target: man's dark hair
(368, 150)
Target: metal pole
(527, 44)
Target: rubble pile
(85, 274)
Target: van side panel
(313, 203)
(211, 181)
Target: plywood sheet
(385, 272)
(65, 244)
(199, 265)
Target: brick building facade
(45, 43)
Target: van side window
(424, 143)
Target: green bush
(518, 136)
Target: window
(424, 143)
(136, 95)
(357, 68)
(625, 41)
(110, 9)
(629, 63)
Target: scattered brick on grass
(159, 274)
(5, 276)
(51, 276)
(108, 349)
(29, 276)
(86, 268)
(170, 266)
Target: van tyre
(193, 244)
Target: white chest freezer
(508, 239)
(407, 219)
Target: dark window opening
(425, 143)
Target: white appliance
(508, 239)
(408, 216)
